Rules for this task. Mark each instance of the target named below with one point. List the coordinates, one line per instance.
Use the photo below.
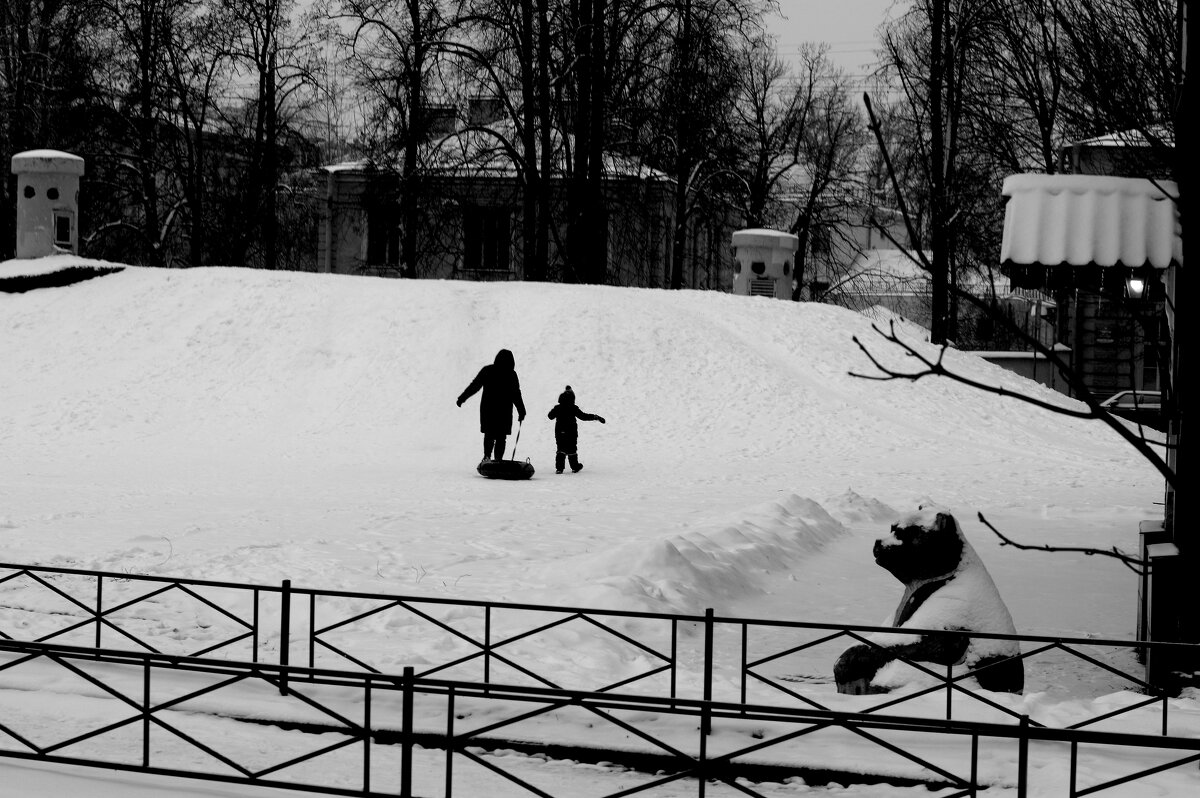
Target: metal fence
(300, 636)
(673, 655)
(403, 735)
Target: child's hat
(567, 396)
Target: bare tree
(702, 82)
(138, 84)
(1119, 73)
(198, 77)
(770, 113)
(512, 62)
(396, 53)
(48, 49)
(276, 51)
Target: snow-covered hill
(254, 426)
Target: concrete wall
(1031, 365)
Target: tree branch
(1136, 564)
(937, 368)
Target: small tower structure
(47, 202)
(763, 262)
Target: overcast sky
(848, 26)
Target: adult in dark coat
(501, 392)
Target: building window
(63, 224)
(486, 239)
(383, 237)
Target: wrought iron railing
(674, 656)
(403, 735)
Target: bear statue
(945, 587)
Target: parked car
(1142, 407)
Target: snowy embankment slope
(254, 426)
(249, 426)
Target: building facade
(467, 208)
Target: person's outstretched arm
(475, 385)
(582, 416)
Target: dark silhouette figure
(501, 392)
(566, 430)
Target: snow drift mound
(704, 567)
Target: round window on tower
(52, 193)
(787, 266)
(29, 192)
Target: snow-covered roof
(1155, 135)
(480, 151)
(1081, 220)
(46, 161)
(348, 166)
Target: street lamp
(1135, 287)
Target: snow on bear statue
(945, 587)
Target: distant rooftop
(483, 151)
(1155, 135)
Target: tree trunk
(270, 168)
(580, 128)
(410, 193)
(597, 225)
(683, 134)
(530, 190)
(542, 249)
(147, 143)
(937, 177)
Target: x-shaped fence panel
(154, 614)
(401, 735)
(777, 659)
(554, 647)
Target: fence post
(146, 713)
(367, 693)
(1023, 758)
(285, 633)
(449, 788)
(99, 607)
(1165, 725)
(256, 632)
(487, 644)
(706, 719)
(1074, 768)
(674, 660)
(406, 730)
(702, 765)
(949, 691)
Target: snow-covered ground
(249, 426)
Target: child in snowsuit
(501, 392)
(566, 431)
